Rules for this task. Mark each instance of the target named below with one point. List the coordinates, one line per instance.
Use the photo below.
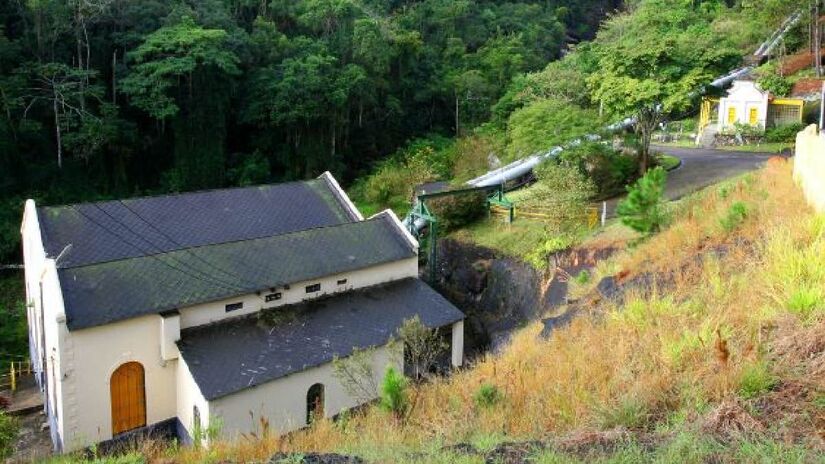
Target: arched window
(128, 396)
(315, 402)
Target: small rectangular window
(234, 307)
(342, 281)
(273, 297)
(313, 288)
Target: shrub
(783, 133)
(582, 278)
(394, 392)
(776, 84)
(457, 211)
(562, 192)
(8, 434)
(734, 217)
(487, 396)
(805, 300)
(422, 346)
(755, 379)
(609, 170)
(642, 210)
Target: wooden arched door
(128, 398)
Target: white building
(747, 104)
(226, 306)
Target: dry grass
(731, 325)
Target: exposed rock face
(500, 294)
(497, 294)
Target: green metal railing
(495, 197)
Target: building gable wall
(743, 98)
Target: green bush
(783, 133)
(643, 210)
(734, 217)
(806, 300)
(582, 277)
(8, 434)
(456, 211)
(756, 379)
(778, 85)
(393, 392)
(487, 395)
(609, 170)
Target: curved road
(702, 167)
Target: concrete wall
(206, 313)
(92, 355)
(35, 258)
(282, 402)
(809, 166)
(188, 397)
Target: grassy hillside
(714, 352)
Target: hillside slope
(706, 344)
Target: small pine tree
(394, 392)
(642, 210)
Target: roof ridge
(179, 194)
(375, 218)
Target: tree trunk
(114, 77)
(817, 39)
(57, 132)
(457, 121)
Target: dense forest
(105, 98)
(116, 98)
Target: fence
(593, 216)
(809, 166)
(9, 380)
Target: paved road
(702, 167)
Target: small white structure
(180, 312)
(745, 104)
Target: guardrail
(9, 380)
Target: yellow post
(13, 379)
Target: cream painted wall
(35, 258)
(92, 356)
(743, 96)
(283, 401)
(189, 396)
(206, 313)
(809, 166)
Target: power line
(161, 250)
(182, 247)
(121, 238)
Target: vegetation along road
(700, 168)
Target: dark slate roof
(240, 353)
(114, 230)
(106, 292)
